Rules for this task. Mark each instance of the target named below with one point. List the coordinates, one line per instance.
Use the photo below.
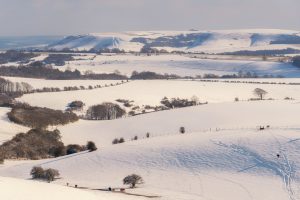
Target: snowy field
(7, 128)
(33, 190)
(176, 64)
(205, 118)
(221, 151)
(222, 155)
(151, 92)
(191, 166)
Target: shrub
(135, 138)
(121, 140)
(182, 130)
(74, 148)
(37, 172)
(91, 146)
(118, 141)
(133, 180)
(48, 174)
(76, 105)
(115, 141)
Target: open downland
(151, 92)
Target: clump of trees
(179, 103)
(260, 93)
(35, 144)
(40, 144)
(146, 75)
(105, 111)
(44, 174)
(37, 117)
(133, 180)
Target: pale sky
(69, 17)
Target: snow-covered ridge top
(191, 41)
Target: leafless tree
(133, 180)
(260, 93)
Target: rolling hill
(188, 41)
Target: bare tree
(133, 180)
(260, 93)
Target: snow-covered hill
(221, 155)
(151, 92)
(189, 41)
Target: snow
(7, 128)
(191, 166)
(221, 152)
(222, 155)
(15, 189)
(205, 118)
(151, 92)
(218, 41)
(180, 65)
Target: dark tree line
(40, 70)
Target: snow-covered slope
(7, 128)
(223, 155)
(16, 189)
(190, 41)
(197, 166)
(205, 118)
(151, 92)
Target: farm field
(177, 64)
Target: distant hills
(187, 41)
